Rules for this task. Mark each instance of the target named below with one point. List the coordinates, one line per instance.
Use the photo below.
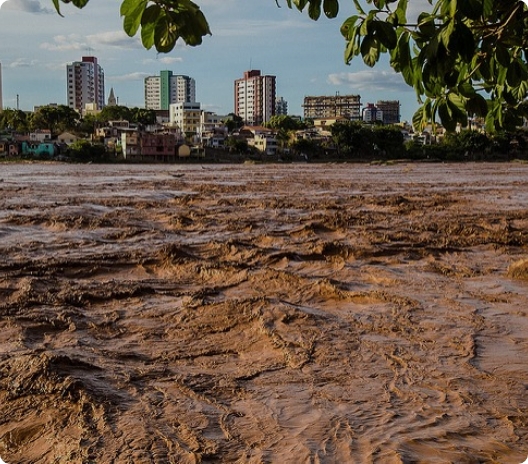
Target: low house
(148, 147)
(264, 143)
(323, 124)
(261, 138)
(40, 150)
(67, 138)
(41, 135)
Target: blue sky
(306, 56)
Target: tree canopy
(463, 58)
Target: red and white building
(255, 97)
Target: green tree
(463, 58)
(88, 124)
(143, 116)
(55, 118)
(352, 139)
(388, 140)
(84, 151)
(16, 120)
(114, 113)
(285, 122)
(307, 148)
(233, 122)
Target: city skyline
(305, 56)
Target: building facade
(85, 84)
(348, 106)
(390, 110)
(371, 113)
(186, 116)
(255, 97)
(163, 90)
(281, 107)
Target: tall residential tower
(163, 90)
(255, 97)
(85, 84)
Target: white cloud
(28, 6)
(164, 60)
(116, 39)
(134, 76)
(260, 27)
(65, 42)
(22, 63)
(92, 43)
(369, 80)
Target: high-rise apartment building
(85, 84)
(372, 114)
(163, 90)
(281, 107)
(391, 111)
(255, 97)
(333, 106)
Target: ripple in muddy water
(263, 313)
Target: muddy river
(263, 314)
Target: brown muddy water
(263, 314)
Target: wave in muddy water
(263, 313)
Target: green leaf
(502, 55)
(127, 6)
(471, 8)
(133, 18)
(370, 50)
(79, 3)
(401, 12)
(359, 7)
(457, 101)
(477, 105)
(56, 4)
(314, 10)
(466, 89)
(487, 7)
(165, 34)
(446, 116)
(446, 32)
(352, 48)
(330, 8)
(300, 4)
(386, 34)
(148, 25)
(419, 121)
(462, 42)
(348, 28)
(514, 74)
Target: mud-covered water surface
(262, 314)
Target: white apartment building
(255, 97)
(85, 81)
(186, 116)
(165, 89)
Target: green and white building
(163, 90)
